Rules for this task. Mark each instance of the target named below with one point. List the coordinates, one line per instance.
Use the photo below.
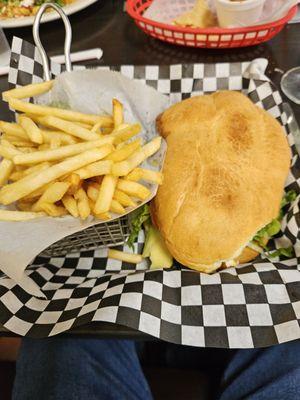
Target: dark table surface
(106, 25)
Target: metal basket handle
(38, 43)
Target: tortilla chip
(199, 17)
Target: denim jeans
(79, 369)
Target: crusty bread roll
(224, 173)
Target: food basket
(252, 306)
(214, 38)
(106, 234)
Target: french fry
(124, 199)
(6, 143)
(104, 217)
(19, 168)
(31, 129)
(65, 138)
(126, 151)
(17, 131)
(133, 189)
(8, 151)
(105, 195)
(15, 176)
(125, 133)
(82, 203)
(84, 125)
(95, 169)
(43, 147)
(33, 196)
(66, 162)
(70, 205)
(27, 149)
(17, 190)
(93, 191)
(117, 113)
(55, 143)
(24, 92)
(68, 115)
(9, 138)
(106, 131)
(120, 145)
(18, 142)
(116, 207)
(123, 168)
(122, 126)
(71, 128)
(38, 119)
(91, 204)
(96, 128)
(6, 167)
(22, 145)
(6, 215)
(96, 185)
(123, 256)
(36, 168)
(53, 211)
(75, 183)
(48, 133)
(13, 129)
(146, 175)
(63, 152)
(24, 206)
(52, 194)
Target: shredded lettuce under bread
(142, 217)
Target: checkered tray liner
(255, 305)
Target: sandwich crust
(224, 173)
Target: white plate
(51, 16)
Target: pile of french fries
(57, 162)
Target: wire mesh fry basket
(99, 236)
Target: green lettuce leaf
(288, 198)
(268, 231)
(274, 227)
(283, 251)
(141, 215)
(40, 2)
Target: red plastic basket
(205, 38)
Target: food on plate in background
(58, 162)
(199, 17)
(226, 165)
(24, 8)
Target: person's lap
(71, 369)
(63, 369)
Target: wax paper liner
(254, 305)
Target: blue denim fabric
(79, 369)
(90, 369)
(272, 373)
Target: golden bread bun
(224, 173)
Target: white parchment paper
(89, 91)
(165, 11)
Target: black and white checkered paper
(255, 305)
